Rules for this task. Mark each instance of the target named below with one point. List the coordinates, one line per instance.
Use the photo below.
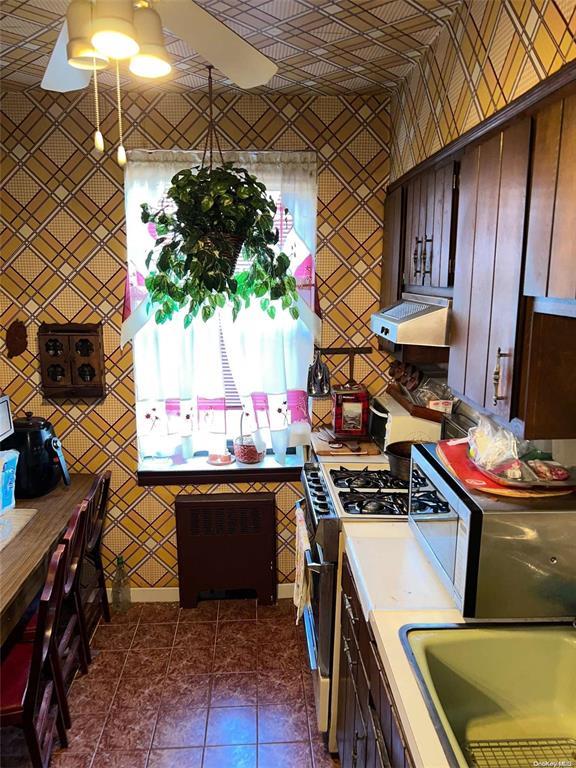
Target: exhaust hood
(415, 319)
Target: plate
(222, 461)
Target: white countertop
(397, 586)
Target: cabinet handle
(496, 377)
(416, 256)
(349, 611)
(357, 737)
(380, 740)
(426, 264)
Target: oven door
(319, 625)
(434, 514)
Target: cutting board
(454, 455)
(321, 447)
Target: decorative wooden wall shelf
(71, 359)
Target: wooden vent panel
(226, 541)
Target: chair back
(75, 541)
(48, 617)
(97, 505)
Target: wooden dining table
(24, 560)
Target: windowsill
(197, 471)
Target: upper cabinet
(428, 252)
(551, 244)
(391, 257)
(490, 231)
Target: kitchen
(368, 125)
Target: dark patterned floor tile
(139, 692)
(321, 758)
(154, 636)
(187, 757)
(63, 759)
(284, 610)
(198, 634)
(180, 728)
(120, 759)
(192, 660)
(159, 613)
(230, 757)
(232, 632)
(234, 689)
(85, 732)
(282, 722)
(113, 637)
(237, 610)
(280, 687)
(290, 755)
(184, 690)
(273, 657)
(129, 616)
(204, 611)
(128, 729)
(107, 664)
(148, 662)
(231, 725)
(90, 693)
(239, 656)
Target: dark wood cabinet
(429, 228)
(489, 247)
(369, 732)
(551, 245)
(392, 252)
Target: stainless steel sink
(499, 696)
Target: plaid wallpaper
(489, 53)
(63, 252)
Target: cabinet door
(392, 256)
(551, 245)
(438, 270)
(491, 216)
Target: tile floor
(224, 685)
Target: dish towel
(301, 584)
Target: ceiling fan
(213, 40)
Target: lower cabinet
(369, 732)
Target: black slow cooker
(41, 463)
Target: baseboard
(171, 595)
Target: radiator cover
(226, 541)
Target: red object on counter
(350, 410)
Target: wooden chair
(28, 698)
(97, 507)
(72, 647)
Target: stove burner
(374, 503)
(428, 502)
(373, 480)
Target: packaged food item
(515, 469)
(8, 464)
(549, 470)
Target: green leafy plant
(209, 215)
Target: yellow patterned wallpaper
(489, 53)
(63, 252)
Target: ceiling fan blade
(218, 44)
(59, 75)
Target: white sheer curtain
(180, 391)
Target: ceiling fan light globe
(152, 59)
(82, 55)
(80, 52)
(113, 33)
(150, 64)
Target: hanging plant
(209, 215)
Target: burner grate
(520, 753)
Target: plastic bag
(491, 445)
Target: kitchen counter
(398, 586)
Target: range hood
(415, 319)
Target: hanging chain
(98, 138)
(212, 135)
(121, 156)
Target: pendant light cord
(97, 106)
(212, 135)
(119, 103)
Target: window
(196, 386)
